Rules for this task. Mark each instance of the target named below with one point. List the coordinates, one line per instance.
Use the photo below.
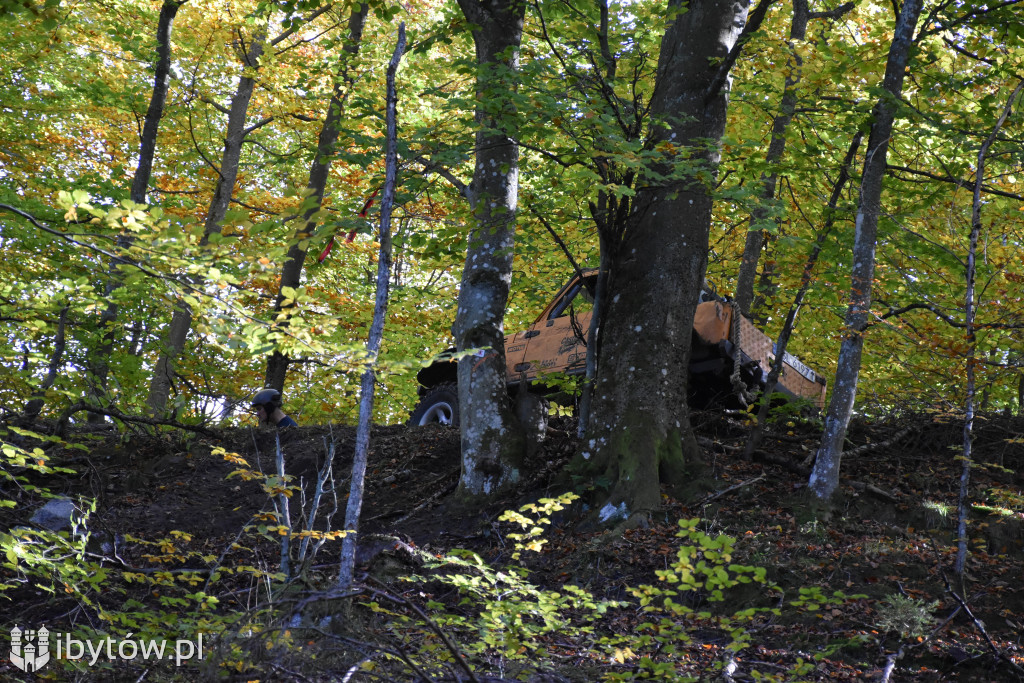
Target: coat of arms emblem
(30, 649)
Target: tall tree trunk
(770, 178)
(745, 299)
(319, 170)
(38, 400)
(181, 320)
(593, 342)
(610, 214)
(639, 432)
(825, 477)
(373, 341)
(493, 443)
(99, 359)
(963, 500)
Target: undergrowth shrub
(502, 618)
(701, 575)
(503, 622)
(500, 621)
(165, 591)
(692, 597)
(907, 616)
(49, 561)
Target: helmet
(267, 397)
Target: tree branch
(967, 184)
(430, 166)
(832, 14)
(945, 317)
(558, 240)
(942, 27)
(754, 21)
(216, 105)
(130, 419)
(256, 125)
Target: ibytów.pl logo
(30, 649)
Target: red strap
(352, 235)
(327, 250)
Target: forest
(201, 199)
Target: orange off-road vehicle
(556, 342)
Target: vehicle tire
(440, 405)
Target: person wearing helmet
(267, 404)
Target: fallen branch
(713, 445)
(432, 625)
(868, 447)
(130, 419)
(121, 564)
(977, 623)
(804, 471)
(872, 489)
(427, 502)
(981, 629)
(730, 489)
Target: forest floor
(170, 503)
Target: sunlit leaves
(76, 93)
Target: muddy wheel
(440, 405)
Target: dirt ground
(152, 487)
(891, 532)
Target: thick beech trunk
(609, 213)
(493, 443)
(100, 357)
(319, 170)
(825, 477)
(181, 320)
(639, 432)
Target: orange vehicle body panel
(554, 343)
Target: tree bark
(319, 170)
(181, 319)
(593, 343)
(639, 434)
(963, 500)
(493, 443)
(825, 477)
(38, 400)
(373, 342)
(100, 357)
(609, 213)
(754, 440)
(769, 179)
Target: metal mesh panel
(755, 343)
(760, 347)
